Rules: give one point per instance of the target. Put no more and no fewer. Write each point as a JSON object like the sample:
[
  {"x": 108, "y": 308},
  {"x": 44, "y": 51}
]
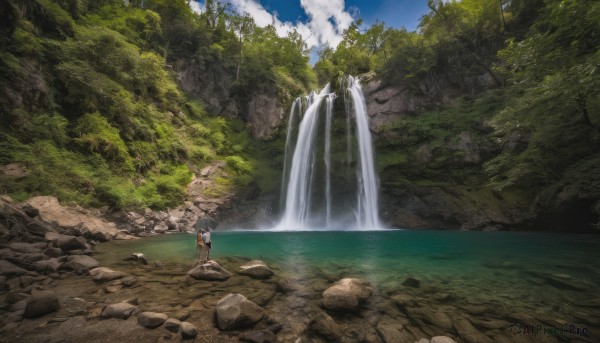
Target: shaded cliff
[{"x": 435, "y": 165}]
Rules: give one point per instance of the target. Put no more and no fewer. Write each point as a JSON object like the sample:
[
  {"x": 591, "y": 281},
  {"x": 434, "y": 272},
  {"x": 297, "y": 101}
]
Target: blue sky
[
  {"x": 321, "y": 22},
  {"x": 395, "y": 13}
]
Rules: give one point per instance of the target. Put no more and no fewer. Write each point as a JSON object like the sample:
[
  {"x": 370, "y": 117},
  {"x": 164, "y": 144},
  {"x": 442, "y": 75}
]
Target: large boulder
[
  {"x": 103, "y": 274},
  {"x": 235, "y": 311},
  {"x": 151, "y": 319},
  {"x": 255, "y": 270},
  {"x": 347, "y": 294},
  {"x": 80, "y": 263},
  {"x": 119, "y": 310},
  {"x": 209, "y": 271},
  {"x": 40, "y": 304}
]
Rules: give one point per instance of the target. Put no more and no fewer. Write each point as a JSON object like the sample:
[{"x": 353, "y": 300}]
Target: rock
[
  {"x": 65, "y": 242},
  {"x": 161, "y": 228},
  {"x": 113, "y": 288},
  {"x": 24, "y": 248},
  {"x": 412, "y": 282},
  {"x": 188, "y": 330},
  {"x": 129, "y": 281},
  {"x": 210, "y": 271},
  {"x": 47, "y": 266},
  {"x": 53, "y": 252},
  {"x": 467, "y": 332},
  {"x": 275, "y": 328},
  {"x": 172, "y": 324},
  {"x": 287, "y": 285},
  {"x": 13, "y": 297},
  {"x": 257, "y": 336},
  {"x": 347, "y": 294},
  {"x": 151, "y": 319},
  {"x": 102, "y": 236},
  {"x": 235, "y": 311},
  {"x": 103, "y": 274},
  {"x": 390, "y": 331},
  {"x": 325, "y": 327},
  {"x": 66, "y": 216},
  {"x": 9, "y": 269},
  {"x": 442, "y": 339},
  {"x": 40, "y": 304},
  {"x": 19, "y": 305},
  {"x": 34, "y": 257},
  {"x": 159, "y": 265},
  {"x": 255, "y": 270},
  {"x": 119, "y": 310},
  {"x": 30, "y": 211},
  {"x": 80, "y": 263},
  {"x": 137, "y": 257}
]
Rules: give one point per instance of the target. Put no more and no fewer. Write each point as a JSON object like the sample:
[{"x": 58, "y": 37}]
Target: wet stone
[{"x": 412, "y": 282}]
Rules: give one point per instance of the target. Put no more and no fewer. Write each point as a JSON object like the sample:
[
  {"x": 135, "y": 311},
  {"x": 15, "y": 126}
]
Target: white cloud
[
  {"x": 327, "y": 20},
  {"x": 197, "y": 6}
]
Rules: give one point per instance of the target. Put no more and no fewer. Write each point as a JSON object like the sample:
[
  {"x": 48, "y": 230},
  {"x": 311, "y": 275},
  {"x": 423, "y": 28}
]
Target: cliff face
[
  {"x": 262, "y": 110},
  {"x": 432, "y": 167}
]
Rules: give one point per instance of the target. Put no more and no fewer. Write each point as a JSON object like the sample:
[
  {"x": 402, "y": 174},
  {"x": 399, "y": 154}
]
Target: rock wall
[
  {"x": 445, "y": 186},
  {"x": 262, "y": 110}
]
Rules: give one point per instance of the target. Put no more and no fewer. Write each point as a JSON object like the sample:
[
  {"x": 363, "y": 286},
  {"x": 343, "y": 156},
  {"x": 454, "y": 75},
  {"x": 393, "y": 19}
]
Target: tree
[{"x": 242, "y": 26}]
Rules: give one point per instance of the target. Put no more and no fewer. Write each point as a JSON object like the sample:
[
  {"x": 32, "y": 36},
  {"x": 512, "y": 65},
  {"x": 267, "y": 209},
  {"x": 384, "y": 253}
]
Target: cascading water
[{"x": 329, "y": 179}]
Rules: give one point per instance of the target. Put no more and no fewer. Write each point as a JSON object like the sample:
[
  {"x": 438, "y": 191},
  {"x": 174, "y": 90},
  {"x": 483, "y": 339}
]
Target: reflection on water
[{"x": 554, "y": 277}]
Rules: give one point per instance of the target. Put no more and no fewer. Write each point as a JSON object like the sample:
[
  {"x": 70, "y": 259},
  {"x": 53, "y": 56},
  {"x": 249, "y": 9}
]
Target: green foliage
[
  {"x": 238, "y": 164},
  {"x": 96, "y": 135}
]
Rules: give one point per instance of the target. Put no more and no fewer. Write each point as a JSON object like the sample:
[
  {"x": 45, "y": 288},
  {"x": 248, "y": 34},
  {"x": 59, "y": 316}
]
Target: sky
[{"x": 322, "y": 22}]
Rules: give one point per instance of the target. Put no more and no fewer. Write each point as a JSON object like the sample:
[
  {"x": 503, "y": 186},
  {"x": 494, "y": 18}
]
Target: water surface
[{"x": 551, "y": 277}]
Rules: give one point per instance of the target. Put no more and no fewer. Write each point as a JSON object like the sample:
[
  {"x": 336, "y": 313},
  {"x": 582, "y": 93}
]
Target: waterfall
[{"x": 319, "y": 167}]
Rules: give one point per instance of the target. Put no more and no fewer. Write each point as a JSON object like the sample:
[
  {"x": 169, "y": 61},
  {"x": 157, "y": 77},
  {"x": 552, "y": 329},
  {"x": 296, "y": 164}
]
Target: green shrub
[{"x": 238, "y": 164}]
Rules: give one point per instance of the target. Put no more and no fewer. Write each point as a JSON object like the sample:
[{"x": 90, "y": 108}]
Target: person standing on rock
[
  {"x": 207, "y": 242},
  {"x": 199, "y": 243}
]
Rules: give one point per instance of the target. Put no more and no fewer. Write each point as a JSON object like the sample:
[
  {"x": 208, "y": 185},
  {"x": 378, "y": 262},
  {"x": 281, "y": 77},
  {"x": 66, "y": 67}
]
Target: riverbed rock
[
  {"x": 257, "y": 336},
  {"x": 467, "y": 332},
  {"x": 119, "y": 310},
  {"x": 347, "y": 294},
  {"x": 151, "y": 319},
  {"x": 172, "y": 324},
  {"x": 188, "y": 330},
  {"x": 80, "y": 263},
  {"x": 103, "y": 274},
  {"x": 129, "y": 281},
  {"x": 412, "y": 282},
  {"x": 137, "y": 257},
  {"x": 209, "y": 271},
  {"x": 235, "y": 311},
  {"x": 323, "y": 326},
  {"x": 40, "y": 304},
  {"x": 256, "y": 270}
]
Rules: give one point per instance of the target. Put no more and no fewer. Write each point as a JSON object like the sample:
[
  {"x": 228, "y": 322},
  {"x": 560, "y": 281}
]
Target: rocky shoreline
[{"x": 53, "y": 290}]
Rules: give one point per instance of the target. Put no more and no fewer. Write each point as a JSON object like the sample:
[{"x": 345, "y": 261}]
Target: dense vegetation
[
  {"x": 508, "y": 93},
  {"x": 89, "y": 105},
  {"x": 519, "y": 81}
]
